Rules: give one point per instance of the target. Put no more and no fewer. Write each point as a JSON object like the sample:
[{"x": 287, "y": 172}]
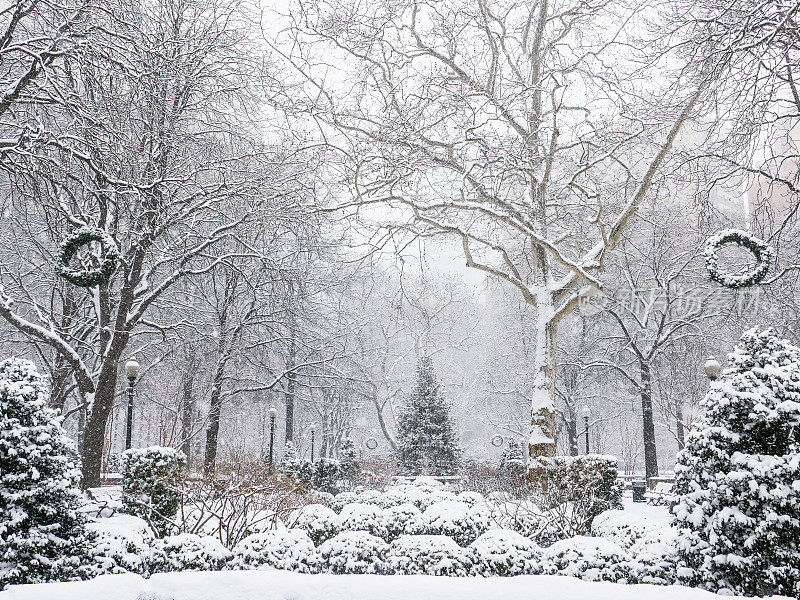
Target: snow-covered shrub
[
  {"x": 121, "y": 544},
  {"x": 471, "y": 498},
  {"x": 287, "y": 549},
  {"x": 575, "y": 489},
  {"x": 738, "y": 479},
  {"x": 593, "y": 559},
  {"x": 456, "y": 520},
  {"x": 427, "y": 555},
  {"x": 363, "y": 517},
  {"x": 369, "y": 497},
  {"x": 353, "y": 552},
  {"x": 343, "y": 499},
  {"x": 623, "y": 528},
  {"x": 189, "y": 552},
  {"x": 318, "y": 521},
  {"x": 406, "y": 494},
  {"x": 654, "y": 558},
  {"x": 504, "y": 553},
  {"x": 350, "y": 468},
  {"x": 512, "y": 461},
  {"x": 150, "y": 485},
  {"x": 393, "y": 496},
  {"x": 405, "y": 519},
  {"x": 520, "y": 515},
  {"x": 326, "y": 475},
  {"x": 42, "y": 532}
]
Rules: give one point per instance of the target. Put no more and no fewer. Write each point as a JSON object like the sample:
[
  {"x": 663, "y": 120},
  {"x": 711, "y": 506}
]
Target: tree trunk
[
  {"x": 95, "y": 432},
  {"x": 541, "y": 441},
  {"x": 215, "y": 410},
  {"x": 648, "y": 427},
  {"x": 572, "y": 436},
  {"x": 290, "y": 385},
  {"x": 679, "y": 425},
  {"x": 187, "y": 419}
]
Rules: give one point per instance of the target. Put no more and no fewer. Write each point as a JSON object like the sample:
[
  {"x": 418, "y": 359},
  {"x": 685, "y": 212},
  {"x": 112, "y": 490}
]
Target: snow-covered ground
[{"x": 283, "y": 585}]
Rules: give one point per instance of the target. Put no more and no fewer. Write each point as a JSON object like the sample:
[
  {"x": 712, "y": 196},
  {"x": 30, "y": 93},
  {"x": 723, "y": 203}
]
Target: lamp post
[
  {"x": 586, "y": 412},
  {"x": 712, "y": 368},
  {"x": 313, "y": 431},
  {"x": 132, "y": 373},
  {"x": 273, "y": 413}
]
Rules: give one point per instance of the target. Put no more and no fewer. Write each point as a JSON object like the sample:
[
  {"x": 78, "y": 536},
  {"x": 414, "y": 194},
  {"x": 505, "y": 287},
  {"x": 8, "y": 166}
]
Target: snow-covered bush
[
  {"x": 287, "y": 549},
  {"x": 42, "y": 533},
  {"x": 369, "y": 497},
  {"x": 471, "y": 498},
  {"x": 427, "y": 555},
  {"x": 343, "y": 499},
  {"x": 121, "y": 544},
  {"x": 623, "y": 528},
  {"x": 654, "y": 558},
  {"x": 318, "y": 521},
  {"x": 593, "y": 559},
  {"x": 150, "y": 485},
  {"x": 575, "y": 489},
  {"x": 520, "y": 515},
  {"x": 363, "y": 517},
  {"x": 326, "y": 475},
  {"x": 350, "y": 468},
  {"x": 456, "y": 520},
  {"x": 189, "y": 552},
  {"x": 738, "y": 479},
  {"x": 504, "y": 553},
  {"x": 405, "y": 519},
  {"x": 353, "y": 552}
]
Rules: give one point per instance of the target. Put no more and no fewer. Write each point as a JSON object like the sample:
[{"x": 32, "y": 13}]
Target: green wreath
[
  {"x": 86, "y": 277},
  {"x": 760, "y": 250}
]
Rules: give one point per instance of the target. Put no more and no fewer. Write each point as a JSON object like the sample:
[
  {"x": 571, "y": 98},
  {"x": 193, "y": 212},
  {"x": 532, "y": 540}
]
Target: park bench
[{"x": 660, "y": 494}]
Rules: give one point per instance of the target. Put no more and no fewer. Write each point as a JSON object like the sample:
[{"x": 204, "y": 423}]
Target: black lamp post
[
  {"x": 273, "y": 413},
  {"x": 313, "y": 431},
  {"x": 585, "y": 412},
  {"x": 132, "y": 373}
]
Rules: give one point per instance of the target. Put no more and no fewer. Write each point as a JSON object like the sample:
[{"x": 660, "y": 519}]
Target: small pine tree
[
  {"x": 738, "y": 508},
  {"x": 512, "y": 460},
  {"x": 427, "y": 439},
  {"x": 348, "y": 460},
  {"x": 42, "y": 534}
]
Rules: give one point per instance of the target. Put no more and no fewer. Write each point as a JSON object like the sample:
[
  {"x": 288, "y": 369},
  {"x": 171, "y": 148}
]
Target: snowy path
[{"x": 282, "y": 585}]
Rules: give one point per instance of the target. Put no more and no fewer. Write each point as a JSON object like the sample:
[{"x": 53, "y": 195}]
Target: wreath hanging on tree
[
  {"x": 88, "y": 277},
  {"x": 759, "y": 249}
]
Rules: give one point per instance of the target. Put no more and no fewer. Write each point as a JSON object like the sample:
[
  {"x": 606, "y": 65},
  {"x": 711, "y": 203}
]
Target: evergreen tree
[
  {"x": 348, "y": 459},
  {"x": 427, "y": 439},
  {"x": 738, "y": 508},
  {"x": 512, "y": 460},
  {"x": 42, "y": 534}
]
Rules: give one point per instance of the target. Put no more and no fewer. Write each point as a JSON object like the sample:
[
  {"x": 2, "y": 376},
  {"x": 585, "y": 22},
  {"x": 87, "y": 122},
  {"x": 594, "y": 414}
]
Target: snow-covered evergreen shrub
[
  {"x": 405, "y": 519},
  {"x": 512, "y": 460},
  {"x": 456, "y": 520},
  {"x": 738, "y": 479},
  {"x": 654, "y": 558},
  {"x": 324, "y": 498},
  {"x": 369, "y": 497},
  {"x": 504, "y": 553},
  {"x": 471, "y": 498},
  {"x": 353, "y": 552},
  {"x": 150, "y": 485},
  {"x": 576, "y": 489},
  {"x": 318, "y": 521},
  {"x": 592, "y": 559},
  {"x": 326, "y": 475},
  {"x": 427, "y": 555},
  {"x": 348, "y": 462},
  {"x": 427, "y": 443},
  {"x": 42, "y": 533},
  {"x": 189, "y": 552},
  {"x": 122, "y": 544},
  {"x": 363, "y": 517},
  {"x": 286, "y": 549},
  {"x": 290, "y": 461},
  {"x": 343, "y": 499}
]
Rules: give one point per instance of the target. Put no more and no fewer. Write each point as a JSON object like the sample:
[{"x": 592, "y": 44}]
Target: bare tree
[{"x": 476, "y": 119}]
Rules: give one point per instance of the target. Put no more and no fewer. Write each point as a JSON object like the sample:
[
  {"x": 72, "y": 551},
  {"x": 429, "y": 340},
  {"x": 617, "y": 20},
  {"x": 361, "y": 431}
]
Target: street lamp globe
[
  {"x": 273, "y": 412},
  {"x": 712, "y": 368},
  {"x": 586, "y": 412},
  {"x": 132, "y": 369}
]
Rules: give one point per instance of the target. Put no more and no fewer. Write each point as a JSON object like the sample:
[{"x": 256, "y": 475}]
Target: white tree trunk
[{"x": 541, "y": 441}]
